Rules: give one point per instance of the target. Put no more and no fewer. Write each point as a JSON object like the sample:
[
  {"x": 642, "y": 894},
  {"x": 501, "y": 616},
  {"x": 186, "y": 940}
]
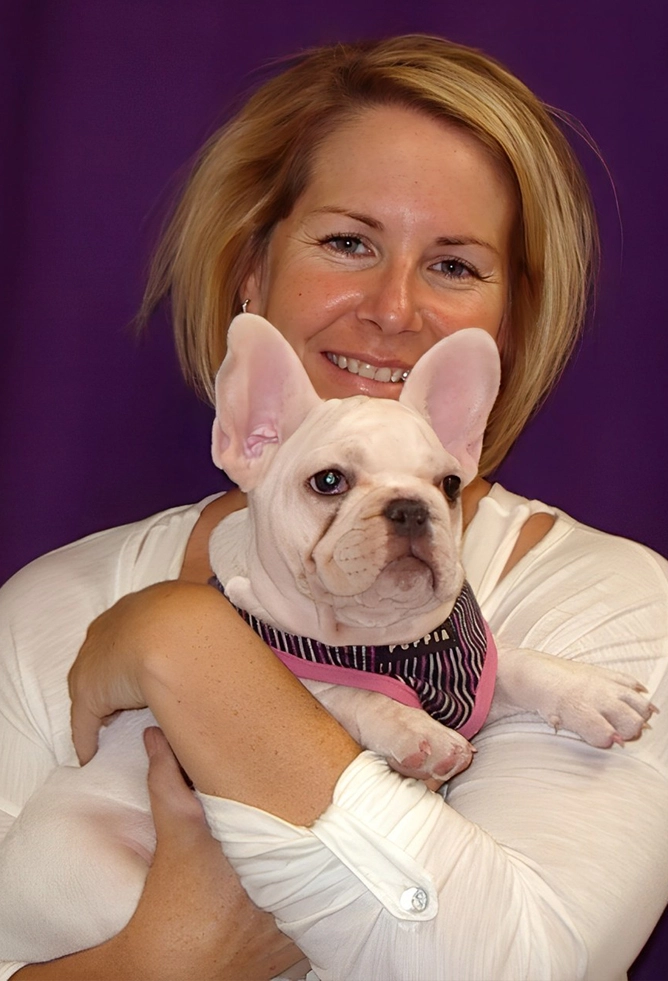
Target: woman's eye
[
  {"x": 347, "y": 244},
  {"x": 329, "y": 482},
  {"x": 451, "y": 487},
  {"x": 455, "y": 268}
]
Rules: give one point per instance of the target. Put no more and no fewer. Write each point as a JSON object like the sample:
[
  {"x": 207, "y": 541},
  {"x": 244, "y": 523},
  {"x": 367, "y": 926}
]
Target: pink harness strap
[{"x": 450, "y": 673}]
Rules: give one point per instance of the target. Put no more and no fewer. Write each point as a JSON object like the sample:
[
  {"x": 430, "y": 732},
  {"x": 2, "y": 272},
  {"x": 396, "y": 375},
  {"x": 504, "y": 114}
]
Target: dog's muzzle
[{"x": 407, "y": 516}]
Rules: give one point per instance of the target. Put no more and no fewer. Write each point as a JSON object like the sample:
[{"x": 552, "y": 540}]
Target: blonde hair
[{"x": 251, "y": 172}]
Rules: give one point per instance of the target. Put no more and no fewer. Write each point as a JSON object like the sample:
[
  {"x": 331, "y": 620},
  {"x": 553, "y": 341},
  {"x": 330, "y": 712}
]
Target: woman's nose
[{"x": 390, "y": 299}]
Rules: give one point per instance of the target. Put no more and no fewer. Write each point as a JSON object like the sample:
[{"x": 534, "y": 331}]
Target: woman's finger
[
  {"x": 172, "y": 801},
  {"x": 85, "y": 727}
]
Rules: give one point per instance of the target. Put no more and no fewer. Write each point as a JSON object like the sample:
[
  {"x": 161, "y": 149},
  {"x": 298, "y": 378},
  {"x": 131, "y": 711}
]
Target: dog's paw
[
  {"x": 409, "y": 739},
  {"x": 439, "y": 759},
  {"x": 423, "y": 748},
  {"x": 603, "y": 707}
]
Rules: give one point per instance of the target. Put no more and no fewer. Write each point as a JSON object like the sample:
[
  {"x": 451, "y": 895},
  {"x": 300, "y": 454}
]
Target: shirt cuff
[
  {"x": 9, "y": 968},
  {"x": 365, "y": 841}
]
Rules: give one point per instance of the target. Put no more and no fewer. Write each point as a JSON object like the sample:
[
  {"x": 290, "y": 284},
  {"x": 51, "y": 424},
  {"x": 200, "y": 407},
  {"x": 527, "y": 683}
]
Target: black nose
[{"x": 408, "y": 517}]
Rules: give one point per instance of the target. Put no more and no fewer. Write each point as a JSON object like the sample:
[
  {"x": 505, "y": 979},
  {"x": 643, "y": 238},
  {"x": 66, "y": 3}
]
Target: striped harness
[{"x": 449, "y": 673}]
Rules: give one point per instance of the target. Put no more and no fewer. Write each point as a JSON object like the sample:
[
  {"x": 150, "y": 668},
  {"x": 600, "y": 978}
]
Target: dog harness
[{"x": 449, "y": 673}]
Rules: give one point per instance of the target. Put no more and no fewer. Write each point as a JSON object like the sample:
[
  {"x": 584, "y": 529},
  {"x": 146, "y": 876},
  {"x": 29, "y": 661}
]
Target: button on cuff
[
  {"x": 397, "y": 881},
  {"x": 414, "y": 900}
]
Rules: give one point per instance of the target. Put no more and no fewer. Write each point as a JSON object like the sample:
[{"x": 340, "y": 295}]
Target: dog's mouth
[
  {"x": 407, "y": 572},
  {"x": 365, "y": 370}
]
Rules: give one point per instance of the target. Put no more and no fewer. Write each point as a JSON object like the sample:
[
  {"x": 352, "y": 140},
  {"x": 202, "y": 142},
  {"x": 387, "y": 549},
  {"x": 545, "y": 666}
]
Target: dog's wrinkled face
[
  {"x": 354, "y": 512},
  {"x": 366, "y": 513}
]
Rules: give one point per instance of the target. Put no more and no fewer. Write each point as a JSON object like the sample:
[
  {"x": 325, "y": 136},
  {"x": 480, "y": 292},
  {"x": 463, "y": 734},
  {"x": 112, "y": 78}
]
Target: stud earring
[{"x": 244, "y": 306}]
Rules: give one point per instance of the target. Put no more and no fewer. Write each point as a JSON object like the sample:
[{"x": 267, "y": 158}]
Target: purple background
[{"x": 106, "y": 100}]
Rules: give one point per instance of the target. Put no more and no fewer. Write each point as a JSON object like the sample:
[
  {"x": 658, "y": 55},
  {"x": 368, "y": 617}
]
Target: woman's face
[{"x": 401, "y": 238}]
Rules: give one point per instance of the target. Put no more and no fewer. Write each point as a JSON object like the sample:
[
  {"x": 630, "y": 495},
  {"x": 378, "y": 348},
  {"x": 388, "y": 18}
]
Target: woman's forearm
[
  {"x": 108, "y": 962},
  {"x": 118, "y": 959},
  {"x": 241, "y": 725}
]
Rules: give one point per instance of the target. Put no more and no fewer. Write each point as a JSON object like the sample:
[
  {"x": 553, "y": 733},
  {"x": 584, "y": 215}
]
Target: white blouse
[{"x": 548, "y": 859}]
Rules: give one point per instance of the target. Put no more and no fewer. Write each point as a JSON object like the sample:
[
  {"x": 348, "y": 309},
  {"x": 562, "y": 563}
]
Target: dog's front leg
[
  {"x": 410, "y": 740},
  {"x": 602, "y": 707}
]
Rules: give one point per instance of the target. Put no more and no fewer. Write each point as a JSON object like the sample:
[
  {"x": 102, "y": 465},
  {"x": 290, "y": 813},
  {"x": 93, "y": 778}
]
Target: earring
[{"x": 244, "y": 306}]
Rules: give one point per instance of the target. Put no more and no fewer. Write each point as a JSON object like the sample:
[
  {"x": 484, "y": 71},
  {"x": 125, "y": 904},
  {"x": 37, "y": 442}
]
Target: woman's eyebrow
[
  {"x": 355, "y": 215},
  {"x": 466, "y": 240}
]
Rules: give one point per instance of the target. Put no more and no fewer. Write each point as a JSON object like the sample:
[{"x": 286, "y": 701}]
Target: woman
[{"x": 368, "y": 201}]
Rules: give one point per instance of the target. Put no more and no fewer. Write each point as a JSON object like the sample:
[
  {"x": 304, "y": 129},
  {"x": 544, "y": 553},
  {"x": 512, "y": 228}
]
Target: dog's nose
[{"x": 408, "y": 517}]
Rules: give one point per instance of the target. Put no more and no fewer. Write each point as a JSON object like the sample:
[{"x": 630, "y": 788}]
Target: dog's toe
[{"x": 416, "y": 761}]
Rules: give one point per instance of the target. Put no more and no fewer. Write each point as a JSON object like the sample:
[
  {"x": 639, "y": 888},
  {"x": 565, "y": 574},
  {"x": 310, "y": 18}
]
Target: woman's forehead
[{"x": 389, "y": 161}]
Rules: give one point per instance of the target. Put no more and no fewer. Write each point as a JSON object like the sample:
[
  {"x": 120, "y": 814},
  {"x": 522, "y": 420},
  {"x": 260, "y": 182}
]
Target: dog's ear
[
  {"x": 454, "y": 386},
  {"x": 262, "y": 395}
]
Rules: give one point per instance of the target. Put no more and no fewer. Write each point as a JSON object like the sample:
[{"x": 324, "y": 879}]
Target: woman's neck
[
  {"x": 472, "y": 494},
  {"x": 196, "y": 567}
]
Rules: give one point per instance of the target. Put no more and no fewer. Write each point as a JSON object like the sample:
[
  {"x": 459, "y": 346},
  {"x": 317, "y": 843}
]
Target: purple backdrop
[{"x": 105, "y": 102}]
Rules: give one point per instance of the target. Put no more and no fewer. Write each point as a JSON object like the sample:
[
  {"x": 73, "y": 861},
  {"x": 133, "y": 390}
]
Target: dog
[
  {"x": 367, "y": 564},
  {"x": 350, "y": 542}
]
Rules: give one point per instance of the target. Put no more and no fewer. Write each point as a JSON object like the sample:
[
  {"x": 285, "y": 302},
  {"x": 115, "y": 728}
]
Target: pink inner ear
[
  {"x": 454, "y": 386},
  {"x": 262, "y": 395},
  {"x": 257, "y": 440}
]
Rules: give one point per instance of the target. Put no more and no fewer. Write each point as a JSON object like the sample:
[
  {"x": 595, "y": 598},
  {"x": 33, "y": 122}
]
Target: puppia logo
[{"x": 434, "y": 641}]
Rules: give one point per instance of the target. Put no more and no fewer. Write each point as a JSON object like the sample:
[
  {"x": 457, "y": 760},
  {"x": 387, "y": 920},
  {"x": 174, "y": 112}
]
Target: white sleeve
[
  {"x": 45, "y": 610},
  {"x": 38, "y": 641},
  {"x": 549, "y": 859}
]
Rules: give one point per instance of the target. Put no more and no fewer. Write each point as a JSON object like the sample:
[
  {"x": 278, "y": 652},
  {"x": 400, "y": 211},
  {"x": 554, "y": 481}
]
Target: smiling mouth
[{"x": 365, "y": 370}]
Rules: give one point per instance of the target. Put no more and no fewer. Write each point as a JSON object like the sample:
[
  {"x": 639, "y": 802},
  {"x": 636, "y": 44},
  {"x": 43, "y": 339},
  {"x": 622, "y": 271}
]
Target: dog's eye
[
  {"x": 451, "y": 486},
  {"x": 329, "y": 482}
]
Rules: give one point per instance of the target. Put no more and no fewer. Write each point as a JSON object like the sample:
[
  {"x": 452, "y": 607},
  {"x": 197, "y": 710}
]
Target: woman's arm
[
  {"x": 182, "y": 649},
  {"x": 254, "y": 733}
]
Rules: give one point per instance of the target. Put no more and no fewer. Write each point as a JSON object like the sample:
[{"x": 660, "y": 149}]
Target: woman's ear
[{"x": 252, "y": 288}]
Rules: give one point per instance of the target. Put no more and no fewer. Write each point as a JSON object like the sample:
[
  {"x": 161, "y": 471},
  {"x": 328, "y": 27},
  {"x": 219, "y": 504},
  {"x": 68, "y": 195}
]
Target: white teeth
[{"x": 365, "y": 370}]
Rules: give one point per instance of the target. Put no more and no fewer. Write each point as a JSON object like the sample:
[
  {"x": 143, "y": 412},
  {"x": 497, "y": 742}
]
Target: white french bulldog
[
  {"x": 350, "y": 540},
  {"x": 352, "y": 530}
]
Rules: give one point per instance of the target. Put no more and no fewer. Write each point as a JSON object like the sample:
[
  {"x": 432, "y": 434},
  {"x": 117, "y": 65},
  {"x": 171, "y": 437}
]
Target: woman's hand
[
  {"x": 108, "y": 673},
  {"x": 194, "y": 919}
]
